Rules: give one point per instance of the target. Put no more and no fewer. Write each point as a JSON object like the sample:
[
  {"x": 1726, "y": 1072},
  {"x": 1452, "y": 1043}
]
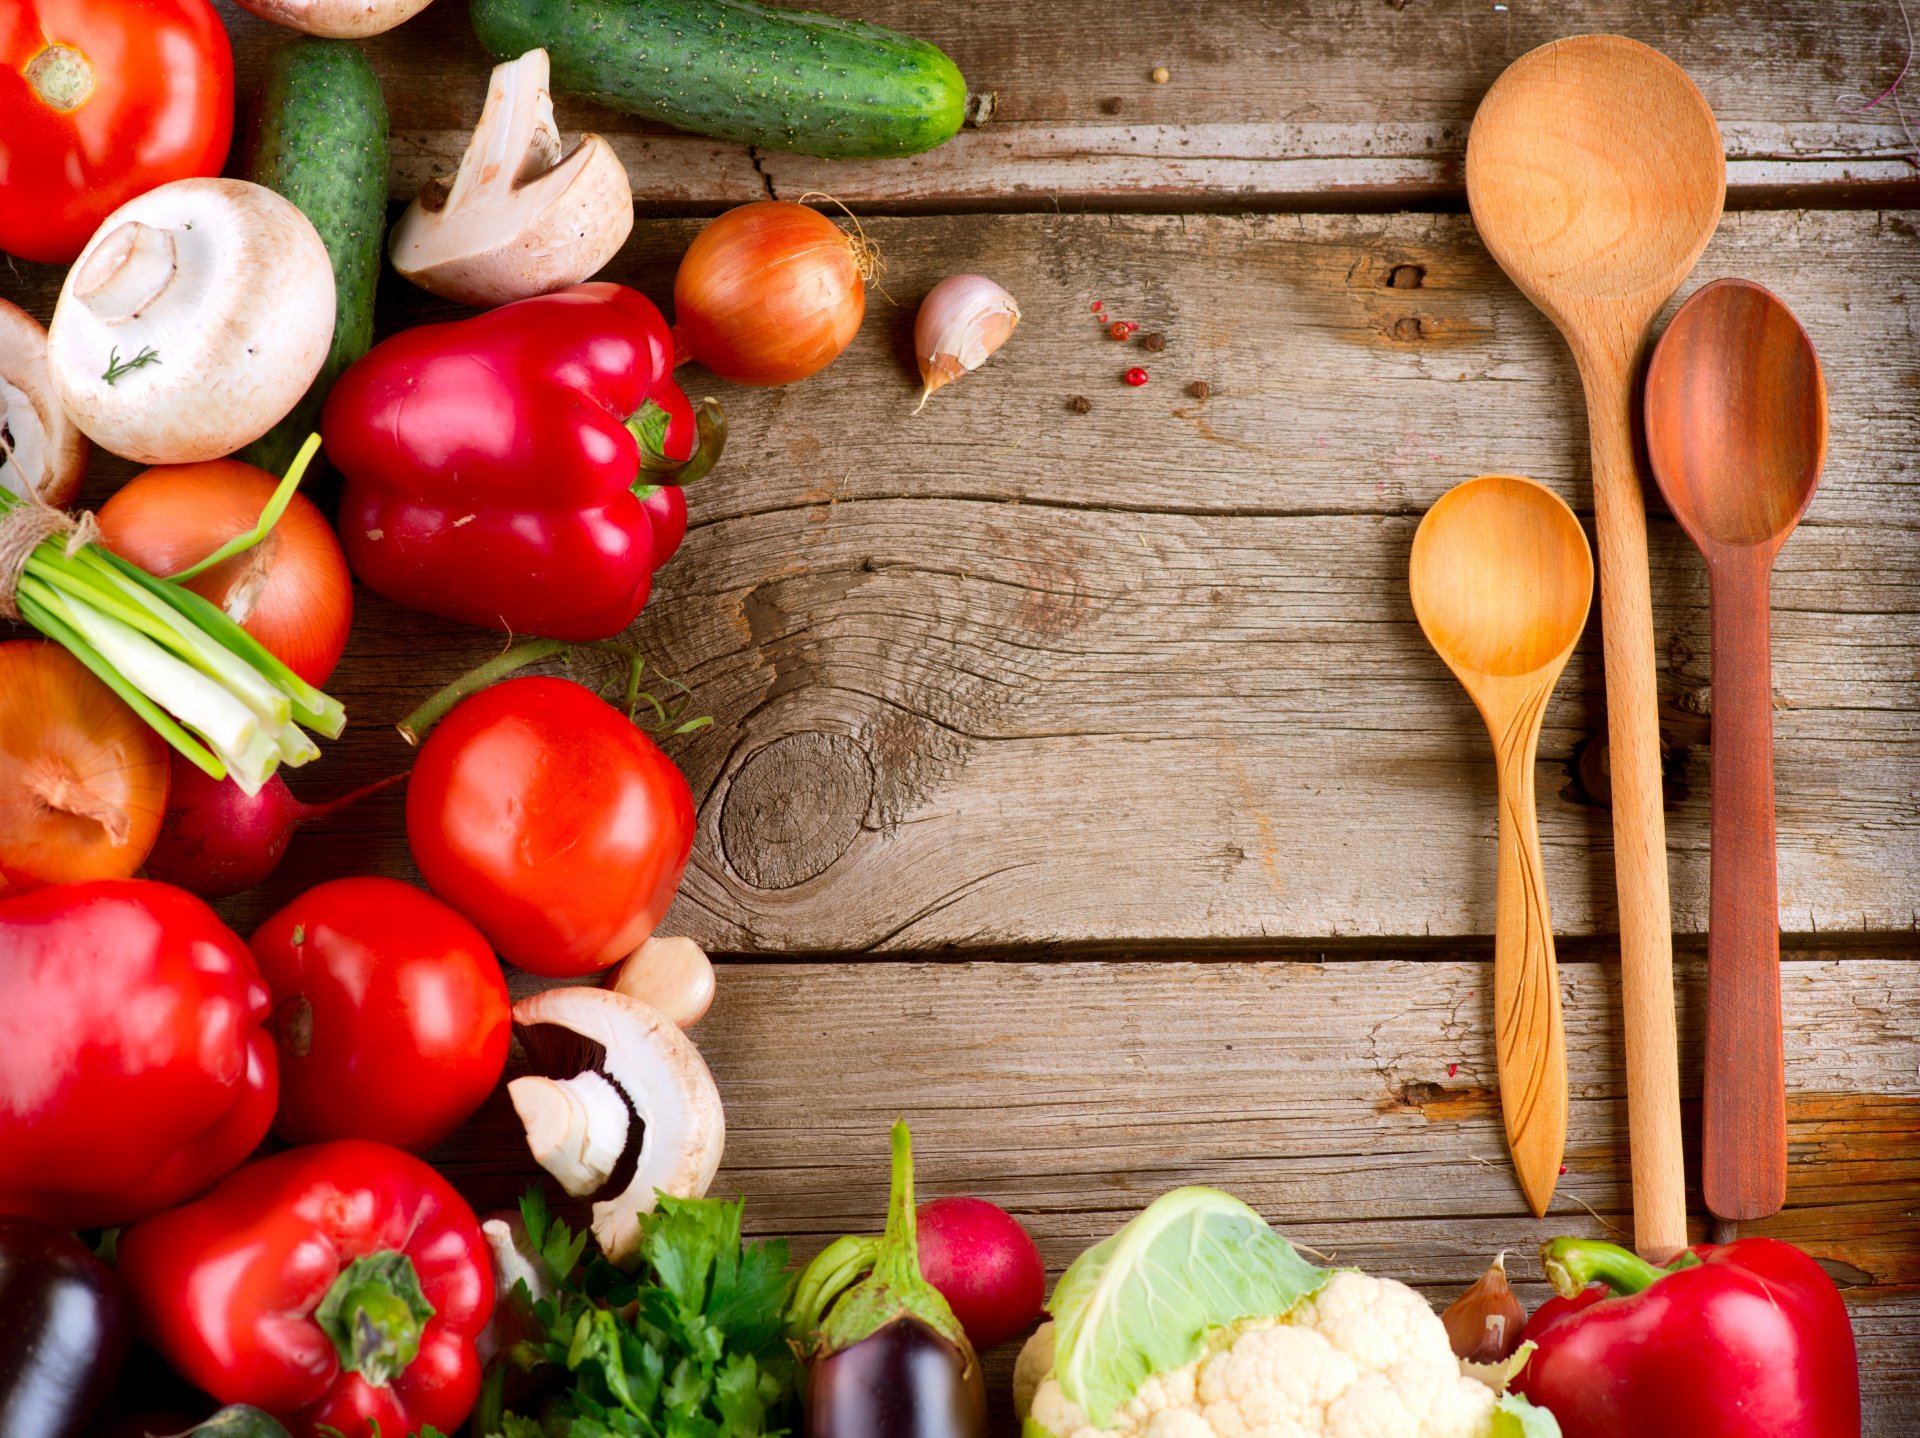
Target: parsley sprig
[{"x": 690, "y": 1345}]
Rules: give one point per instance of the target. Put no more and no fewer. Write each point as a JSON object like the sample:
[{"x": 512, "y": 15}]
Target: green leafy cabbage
[{"x": 1146, "y": 1300}]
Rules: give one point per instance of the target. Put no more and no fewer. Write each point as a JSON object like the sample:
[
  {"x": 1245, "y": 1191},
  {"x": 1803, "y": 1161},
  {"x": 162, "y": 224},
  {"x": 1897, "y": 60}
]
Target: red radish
[
  {"x": 666, "y": 507},
  {"x": 216, "y": 840},
  {"x": 985, "y": 1266}
]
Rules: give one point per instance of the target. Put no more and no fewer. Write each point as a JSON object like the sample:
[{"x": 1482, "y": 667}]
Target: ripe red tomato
[
  {"x": 101, "y": 100},
  {"x": 538, "y": 811},
  {"x": 390, "y": 1013}
]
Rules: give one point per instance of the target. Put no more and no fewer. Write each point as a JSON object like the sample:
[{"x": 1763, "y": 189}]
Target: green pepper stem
[
  {"x": 1573, "y": 1263},
  {"x": 414, "y": 727}
]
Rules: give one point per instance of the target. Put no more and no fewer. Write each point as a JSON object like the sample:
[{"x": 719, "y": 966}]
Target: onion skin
[
  {"x": 83, "y": 780},
  {"x": 291, "y": 591},
  {"x": 769, "y": 293}
]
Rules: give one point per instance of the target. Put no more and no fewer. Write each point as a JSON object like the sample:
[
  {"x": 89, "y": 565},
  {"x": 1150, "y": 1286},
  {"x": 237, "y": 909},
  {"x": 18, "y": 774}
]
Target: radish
[
  {"x": 985, "y": 1266},
  {"x": 217, "y": 840}
]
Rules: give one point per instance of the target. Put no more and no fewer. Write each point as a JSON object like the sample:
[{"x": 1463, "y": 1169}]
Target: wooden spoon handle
[
  {"x": 1639, "y": 820},
  {"x": 1529, "y": 1037},
  {"x": 1745, "y": 1108}
]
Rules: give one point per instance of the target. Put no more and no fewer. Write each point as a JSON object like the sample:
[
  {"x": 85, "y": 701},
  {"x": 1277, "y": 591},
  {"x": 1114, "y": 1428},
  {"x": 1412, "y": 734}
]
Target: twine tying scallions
[{"x": 23, "y": 528}]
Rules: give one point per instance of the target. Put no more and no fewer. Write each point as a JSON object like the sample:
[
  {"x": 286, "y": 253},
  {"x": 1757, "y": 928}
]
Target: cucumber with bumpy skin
[
  {"x": 320, "y": 138},
  {"x": 738, "y": 70}
]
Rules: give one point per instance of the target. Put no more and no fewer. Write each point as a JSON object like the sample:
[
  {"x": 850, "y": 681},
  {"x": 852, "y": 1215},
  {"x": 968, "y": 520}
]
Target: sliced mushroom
[
  {"x": 42, "y": 451},
  {"x": 192, "y": 321},
  {"x": 662, "y": 1075},
  {"x": 674, "y": 975},
  {"x": 517, "y": 219},
  {"x": 337, "y": 19}
]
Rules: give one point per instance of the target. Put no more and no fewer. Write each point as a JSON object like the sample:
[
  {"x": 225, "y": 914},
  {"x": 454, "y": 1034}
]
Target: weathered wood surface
[
  {"x": 1350, "y": 1100},
  {"x": 1003, "y": 674},
  {"x": 1363, "y": 104}
]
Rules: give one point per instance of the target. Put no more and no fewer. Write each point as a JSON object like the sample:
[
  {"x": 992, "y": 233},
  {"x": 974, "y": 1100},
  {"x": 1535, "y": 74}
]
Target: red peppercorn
[
  {"x": 1135, "y": 376},
  {"x": 1118, "y": 329},
  {"x": 1131, "y": 325},
  {"x": 1098, "y": 305}
]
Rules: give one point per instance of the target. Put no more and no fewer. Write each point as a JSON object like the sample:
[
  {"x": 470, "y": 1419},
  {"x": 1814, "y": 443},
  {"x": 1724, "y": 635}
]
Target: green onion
[{"x": 201, "y": 681}]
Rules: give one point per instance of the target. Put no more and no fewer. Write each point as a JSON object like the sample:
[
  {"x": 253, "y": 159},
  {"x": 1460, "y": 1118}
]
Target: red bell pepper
[
  {"x": 135, "y": 1066},
  {"x": 341, "y": 1284},
  {"x": 496, "y": 467},
  {"x": 1746, "y": 1340}
]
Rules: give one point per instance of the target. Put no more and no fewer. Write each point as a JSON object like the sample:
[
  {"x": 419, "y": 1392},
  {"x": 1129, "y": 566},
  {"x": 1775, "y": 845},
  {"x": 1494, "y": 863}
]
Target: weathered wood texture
[
  {"x": 1362, "y": 104},
  {"x": 1003, "y": 674},
  {"x": 1351, "y": 1101}
]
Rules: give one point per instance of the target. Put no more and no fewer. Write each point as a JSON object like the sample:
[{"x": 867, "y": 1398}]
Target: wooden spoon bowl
[{"x": 1501, "y": 579}]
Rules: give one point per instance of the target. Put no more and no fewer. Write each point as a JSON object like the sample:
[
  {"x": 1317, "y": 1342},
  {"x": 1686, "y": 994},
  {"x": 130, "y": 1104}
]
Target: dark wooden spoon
[{"x": 1737, "y": 431}]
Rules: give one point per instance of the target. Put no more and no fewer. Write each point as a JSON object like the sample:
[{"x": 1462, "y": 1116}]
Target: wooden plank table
[{"x": 1080, "y": 787}]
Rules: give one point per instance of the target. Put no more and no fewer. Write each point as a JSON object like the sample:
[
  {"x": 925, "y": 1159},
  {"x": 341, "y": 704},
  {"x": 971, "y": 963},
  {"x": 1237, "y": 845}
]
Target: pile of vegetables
[{"x": 524, "y": 468}]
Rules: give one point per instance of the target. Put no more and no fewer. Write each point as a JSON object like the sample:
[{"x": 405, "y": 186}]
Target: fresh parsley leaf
[{"x": 689, "y": 1345}]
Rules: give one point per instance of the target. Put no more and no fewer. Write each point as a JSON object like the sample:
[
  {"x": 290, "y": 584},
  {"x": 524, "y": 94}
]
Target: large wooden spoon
[
  {"x": 1737, "y": 432},
  {"x": 1595, "y": 176},
  {"x": 1501, "y": 578}
]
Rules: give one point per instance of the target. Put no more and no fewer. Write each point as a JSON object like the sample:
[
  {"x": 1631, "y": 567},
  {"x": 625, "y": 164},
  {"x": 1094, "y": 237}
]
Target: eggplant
[
  {"x": 886, "y": 1357},
  {"x": 64, "y": 1331}
]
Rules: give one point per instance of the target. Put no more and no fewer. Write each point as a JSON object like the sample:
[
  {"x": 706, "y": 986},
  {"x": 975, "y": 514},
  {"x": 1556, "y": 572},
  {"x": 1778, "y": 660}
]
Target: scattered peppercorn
[
  {"x": 1160, "y": 75},
  {"x": 1452, "y": 1069},
  {"x": 1118, "y": 329},
  {"x": 1199, "y": 389},
  {"x": 1563, "y": 1169},
  {"x": 1099, "y": 305},
  {"x": 1135, "y": 376},
  {"x": 1153, "y": 341},
  {"x": 1079, "y": 404}
]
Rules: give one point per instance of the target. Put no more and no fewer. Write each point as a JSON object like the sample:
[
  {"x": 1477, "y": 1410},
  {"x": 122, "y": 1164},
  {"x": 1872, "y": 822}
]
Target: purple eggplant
[
  {"x": 886, "y": 1358},
  {"x": 64, "y": 1331}
]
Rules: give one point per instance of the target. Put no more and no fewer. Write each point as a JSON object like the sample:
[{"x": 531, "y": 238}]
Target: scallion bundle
[{"x": 204, "y": 684}]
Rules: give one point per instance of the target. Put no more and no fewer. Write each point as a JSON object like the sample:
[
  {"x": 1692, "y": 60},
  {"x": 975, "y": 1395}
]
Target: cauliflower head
[{"x": 1362, "y": 1357}]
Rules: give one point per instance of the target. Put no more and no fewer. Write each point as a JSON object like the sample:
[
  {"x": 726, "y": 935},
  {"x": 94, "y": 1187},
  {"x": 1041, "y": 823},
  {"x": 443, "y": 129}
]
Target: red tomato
[
  {"x": 538, "y": 811},
  {"x": 390, "y": 1012},
  {"x": 101, "y": 100}
]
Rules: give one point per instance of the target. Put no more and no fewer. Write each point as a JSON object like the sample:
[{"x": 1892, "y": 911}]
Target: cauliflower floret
[{"x": 1363, "y": 1358}]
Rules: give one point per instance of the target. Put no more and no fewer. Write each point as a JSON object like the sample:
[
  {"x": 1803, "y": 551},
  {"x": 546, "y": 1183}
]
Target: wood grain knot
[{"x": 795, "y": 807}]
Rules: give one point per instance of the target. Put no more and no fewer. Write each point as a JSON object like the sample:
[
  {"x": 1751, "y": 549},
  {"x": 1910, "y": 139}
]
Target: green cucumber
[
  {"x": 738, "y": 70},
  {"x": 320, "y": 138}
]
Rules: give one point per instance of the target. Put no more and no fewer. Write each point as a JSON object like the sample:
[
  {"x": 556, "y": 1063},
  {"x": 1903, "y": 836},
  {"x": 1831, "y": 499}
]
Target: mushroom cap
[
  {"x": 41, "y": 449},
  {"x": 516, "y": 220},
  {"x": 668, "y": 1083},
  {"x": 228, "y": 285},
  {"x": 337, "y": 19}
]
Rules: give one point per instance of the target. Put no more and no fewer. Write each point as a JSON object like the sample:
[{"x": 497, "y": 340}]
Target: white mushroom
[
  {"x": 663, "y": 1076},
  {"x": 337, "y": 19},
  {"x": 42, "y": 452},
  {"x": 674, "y": 975},
  {"x": 517, "y": 219},
  {"x": 195, "y": 317}
]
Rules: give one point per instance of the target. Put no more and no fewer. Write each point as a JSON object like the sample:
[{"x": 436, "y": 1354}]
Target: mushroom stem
[
  {"x": 126, "y": 272},
  {"x": 516, "y": 140},
  {"x": 576, "y": 1127}
]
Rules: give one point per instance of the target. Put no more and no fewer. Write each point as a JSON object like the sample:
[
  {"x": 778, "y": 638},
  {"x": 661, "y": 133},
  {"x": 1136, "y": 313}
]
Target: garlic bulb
[{"x": 962, "y": 321}]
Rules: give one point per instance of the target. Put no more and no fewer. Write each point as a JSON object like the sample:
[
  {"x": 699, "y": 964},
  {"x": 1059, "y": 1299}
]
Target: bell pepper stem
[
  {"x": 1572, "y": 1264},
  {"x": 374, "y": 1313}
]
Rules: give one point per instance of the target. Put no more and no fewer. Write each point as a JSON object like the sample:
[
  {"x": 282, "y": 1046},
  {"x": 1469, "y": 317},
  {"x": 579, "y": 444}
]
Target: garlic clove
[
  {"x": 962, "y": 320},
  {"x": 1483, "y": 1324},
  {"x": 674, "y": 975}
]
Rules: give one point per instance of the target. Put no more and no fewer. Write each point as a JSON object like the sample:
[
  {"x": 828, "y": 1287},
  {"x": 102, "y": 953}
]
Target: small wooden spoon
[
  {"x": 1501, "y": 578},
  {"x": 1595, "y": 175},
  {"x": 1737, "y": 431}
]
